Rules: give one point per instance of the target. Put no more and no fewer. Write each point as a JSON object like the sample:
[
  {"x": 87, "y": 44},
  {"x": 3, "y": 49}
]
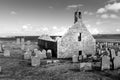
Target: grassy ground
[{"x": 15, "y": 68}]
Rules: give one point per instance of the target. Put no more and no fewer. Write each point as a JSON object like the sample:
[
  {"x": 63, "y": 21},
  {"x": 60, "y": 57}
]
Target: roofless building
[{"x": 78, "y": 40}]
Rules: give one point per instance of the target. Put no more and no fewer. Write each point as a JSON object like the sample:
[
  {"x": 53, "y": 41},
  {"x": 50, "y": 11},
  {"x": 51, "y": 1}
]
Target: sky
[{"x": 54, "y": 17}]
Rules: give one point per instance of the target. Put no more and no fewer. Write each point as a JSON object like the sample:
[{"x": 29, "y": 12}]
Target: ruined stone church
[{"x": 78, "y": 40}]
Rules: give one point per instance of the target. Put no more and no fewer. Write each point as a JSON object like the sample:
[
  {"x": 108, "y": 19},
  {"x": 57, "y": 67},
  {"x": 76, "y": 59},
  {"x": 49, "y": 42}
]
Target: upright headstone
[
  {"x": 35, "y": 61},
  {"x": 118, "y": 54},
  {"x": 22, "y": 41},
  {"x": 22, "y": 46},
  {"x": 0, "y": 69},
  {"x": 113, "y": 53},
  {"x": 74, "y": 58},
  {"x": 49, "y": 54},
  {"x": 39, "y": 54},
  {"x": 105, "y": 62},
  {"x": 80, "y": 58},
  {"x": 108, "y": 52},
  {"x": 18, "y": 40},
  {"x": 116, "y": 62},
  {"x": 1, "y": 48},
  {"x": 28, "y": 42},
  {"x": 44, "y": 53},
  {"x": 6, "y": 53},
  {"x": 27, "y": 55}
]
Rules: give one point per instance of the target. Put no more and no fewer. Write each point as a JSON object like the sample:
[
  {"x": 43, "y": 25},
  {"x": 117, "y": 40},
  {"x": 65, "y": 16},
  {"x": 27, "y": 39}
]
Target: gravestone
[
  {"x": 39, "y": 54},
  {"x": 56, "y": 61},
  {"x": 105, "y": 62},
  {"x": 85, "y": 66},
  {"x": 49, "y": 54},
  {"x": 6, "y": 53},
  {"x": 80, "y": 57},
  {"x": 49, "y": 61},
  {"x": 22, "y": 46},
  {"x": 35, "y": 61},
  {"x": 118, "y": 54},
  {"x": 22, "y": 41},
  {"x": 27, "y": 55},
  {"x": 74, "y": 58},
  {"x": 116, "y": 62},
  {"x": 28, "y": 42},
  {"x": 1, "y": 48},
  {"x": 44, "y": 53},
  {"x": 113, "y": 53},
  {"x": 0, "y": 69},
  {"x": 18, "y": 40}
]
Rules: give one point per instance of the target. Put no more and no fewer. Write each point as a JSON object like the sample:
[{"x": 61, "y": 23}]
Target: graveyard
[{"x": 15, "y": 67}]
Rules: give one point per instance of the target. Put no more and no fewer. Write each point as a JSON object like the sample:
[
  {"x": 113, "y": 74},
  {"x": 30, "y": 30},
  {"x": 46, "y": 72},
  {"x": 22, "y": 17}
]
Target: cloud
[
  {"x": 74, "y": 6},
  {"x": 59, "y": 31},
  {"x": 98, "y": 22},
  {"x": 94, "y": 30},
  {"x": 27, "y": 27},
  {"x": 88, "y": 25},
  {"x": 54, "y": 27},
  {"x": 13, "y": 13},
  {"x": 112, "y": 1},
  {"x": 45, "y": 29},
  {"x": 115, "y": 6},
  {"x": 88, "y": 13},
  {"x": 105, "y": 16},
  {"x": 112, "y": 16},
  {"x": 118, "y": 30},
  {"x": 101, "y": 10}
]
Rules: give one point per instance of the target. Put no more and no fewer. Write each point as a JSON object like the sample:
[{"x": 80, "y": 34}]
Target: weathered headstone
[
  {"x": 80, "y": 57},
  {"x": 116, "y": 62},
  {"x": 18, "y": 40},
  {"x": 28, "y": 42},
  {"x": 27, "y": 55},
  {"x": 44, "y": 53},
  {"x": 49, "y": 54},
  {"x": 105, "y": 62},
  {"x": 118, "y": 54},
  {"x": 1, "y": 48},
  {"x": 85, "y": 66},
  {"x": 0, "y": 69},
  {"x": 113, "y": 53},
  {"x": 74, "y": 58},
  {"x": 22, "y": 41},
  {"x": 35, "y": 61},
  {"x": 39, "y": 54},
  {"x": 23, "y": 47},
  {"x": 49, "y": 61},
  {"x": 6, "y": 53},
  {"x": 56, "y": 61}
]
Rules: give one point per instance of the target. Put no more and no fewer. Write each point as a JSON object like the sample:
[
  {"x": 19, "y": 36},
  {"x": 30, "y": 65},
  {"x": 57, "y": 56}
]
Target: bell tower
[{"x": 77, "y": 15}]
